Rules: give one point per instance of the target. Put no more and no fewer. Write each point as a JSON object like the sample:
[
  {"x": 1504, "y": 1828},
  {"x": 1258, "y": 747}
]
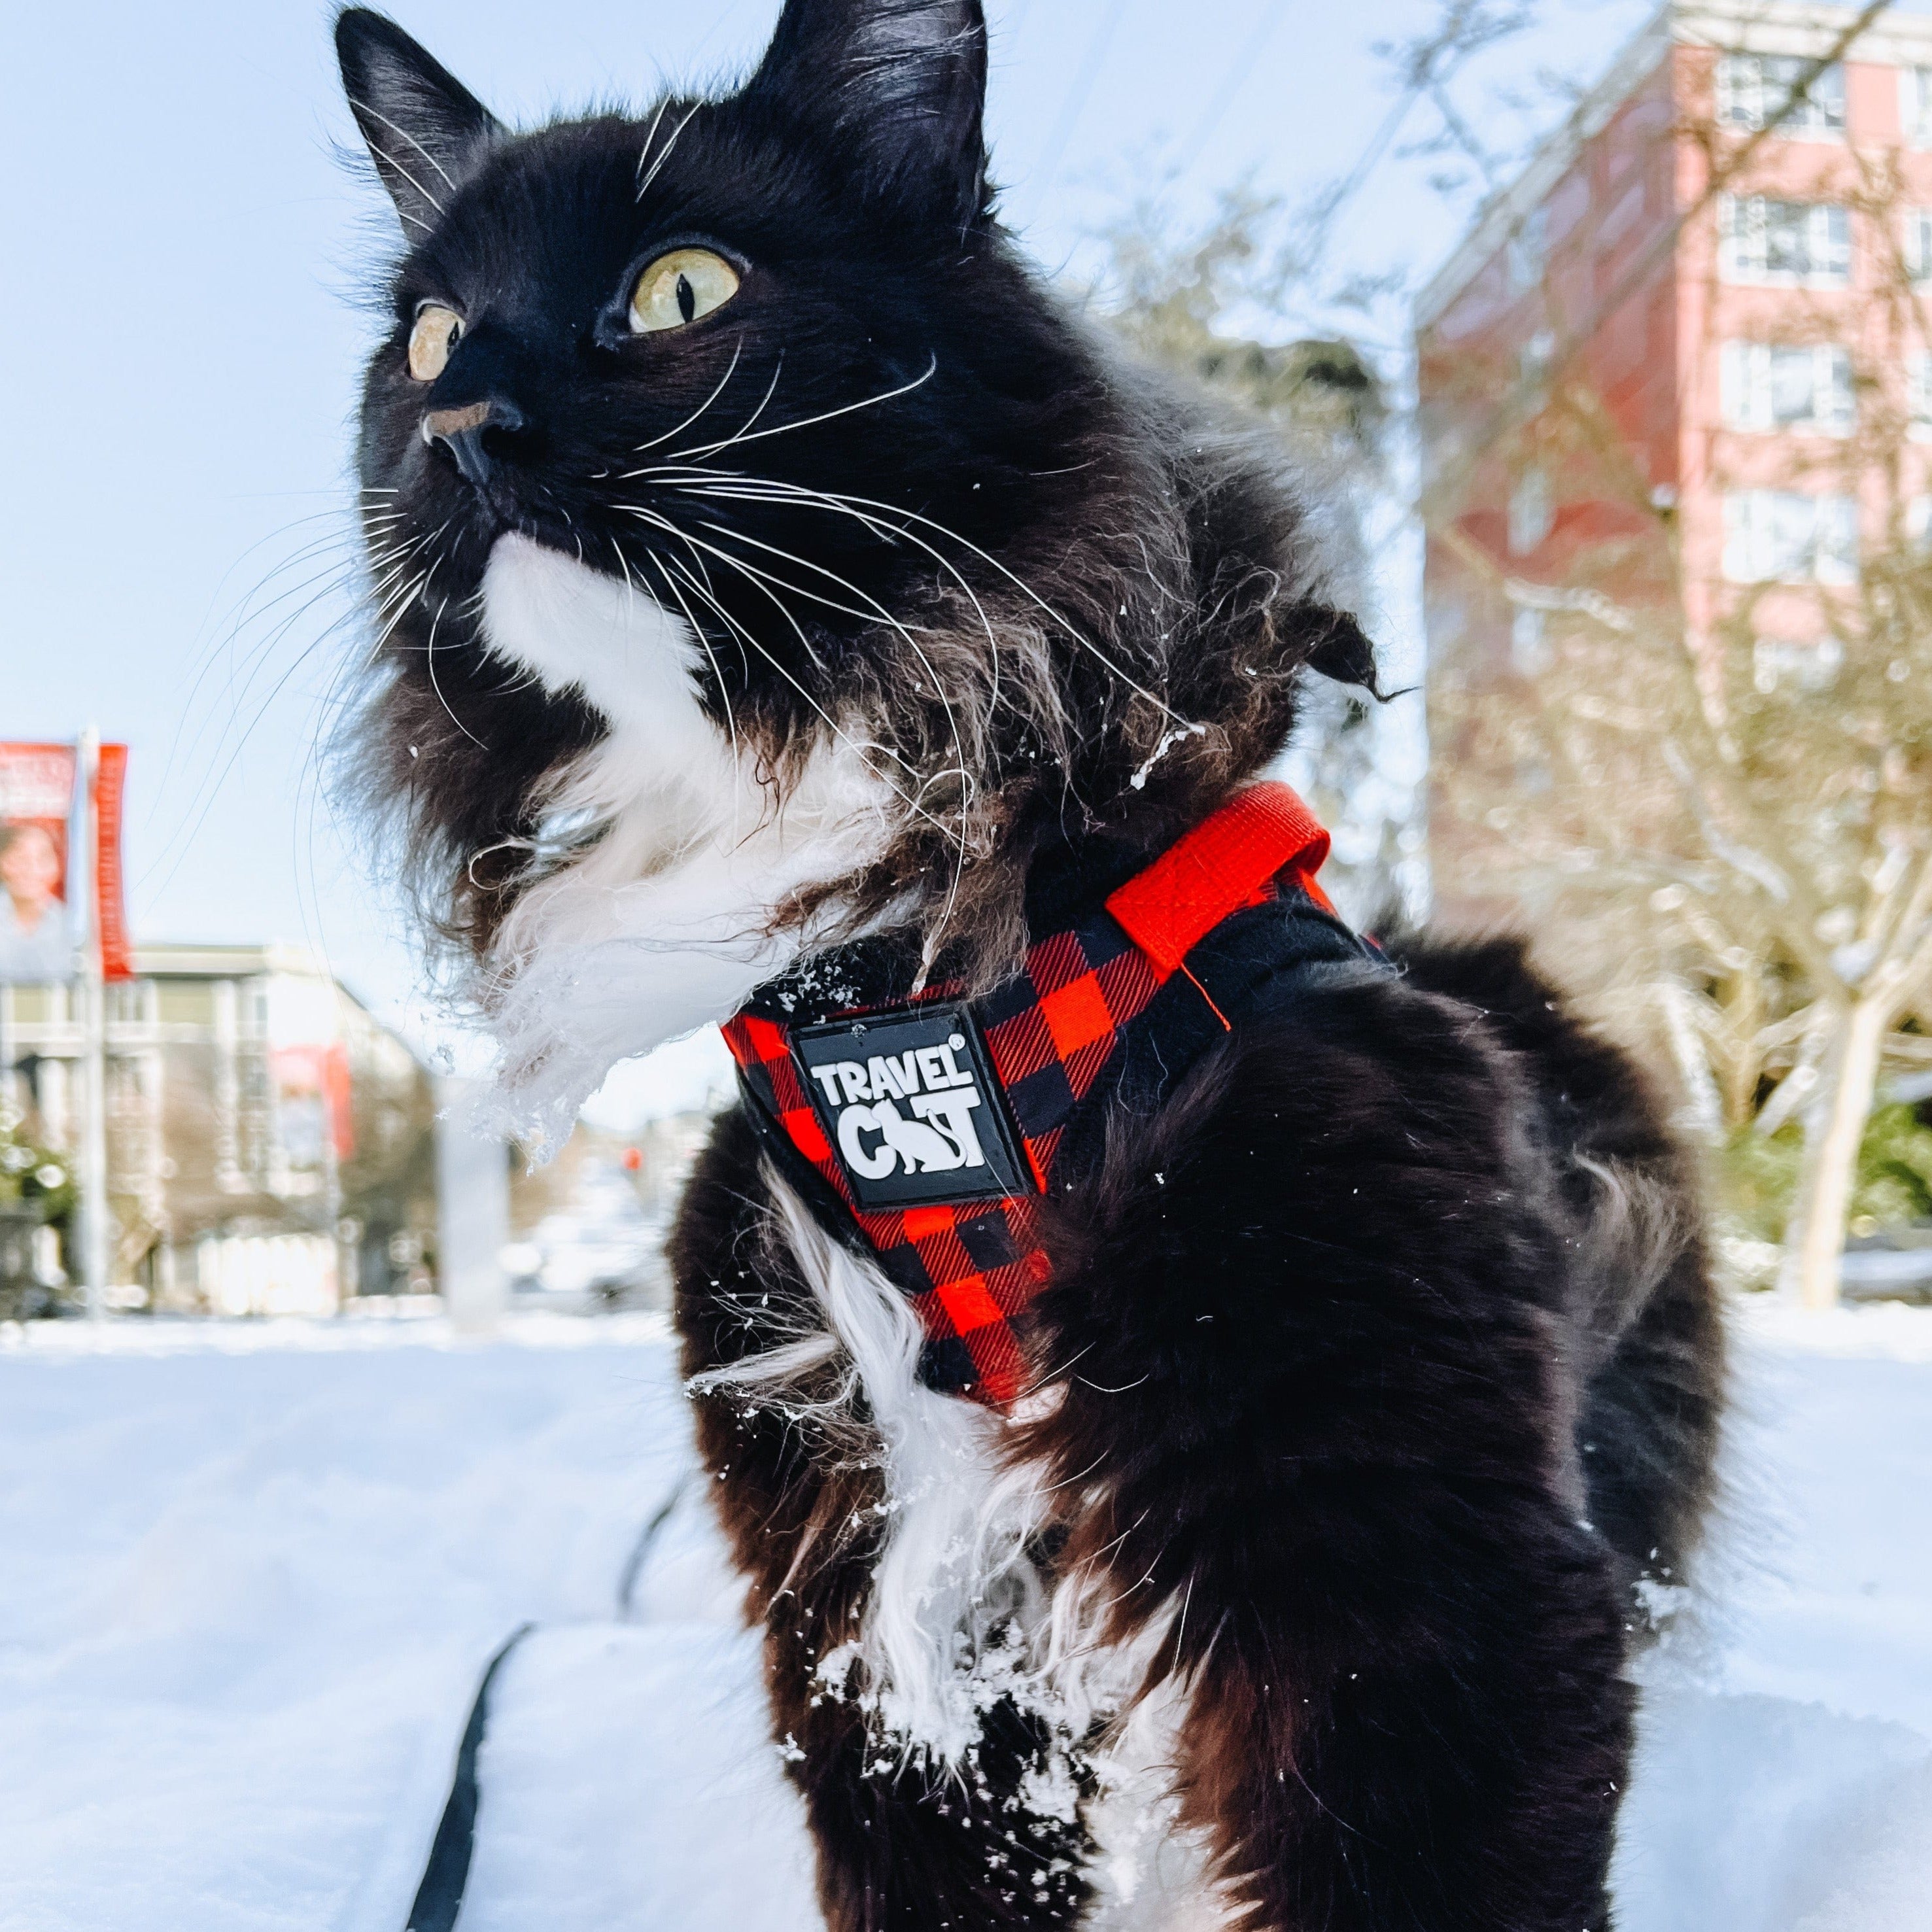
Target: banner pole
[{"x": 93, "y": 1202}]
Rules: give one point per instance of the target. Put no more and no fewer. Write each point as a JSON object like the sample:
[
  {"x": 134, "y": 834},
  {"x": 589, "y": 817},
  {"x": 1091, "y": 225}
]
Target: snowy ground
[{"x": 250, "y": 1574}]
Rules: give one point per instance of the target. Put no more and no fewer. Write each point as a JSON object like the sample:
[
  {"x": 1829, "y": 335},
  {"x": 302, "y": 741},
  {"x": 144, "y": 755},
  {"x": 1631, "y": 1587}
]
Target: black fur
[
  {"x": 1651, "y": 1339},
  {"x": 1378, "y": 1381},
  {"x": 427, "y": 133},
  {"x": 1382, "y": 1361},
  {"x": 897, "y": 89}
]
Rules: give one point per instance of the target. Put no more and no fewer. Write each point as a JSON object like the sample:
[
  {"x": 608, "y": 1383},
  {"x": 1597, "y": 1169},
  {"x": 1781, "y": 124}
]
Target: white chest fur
[
  {"x": 959, "y": 1615},
  {"x": 670, "y": 919}
]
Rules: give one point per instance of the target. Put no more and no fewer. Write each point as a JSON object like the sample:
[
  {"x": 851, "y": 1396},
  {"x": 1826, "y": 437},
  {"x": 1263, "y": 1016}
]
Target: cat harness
[{"x": 924, "y": 1130}]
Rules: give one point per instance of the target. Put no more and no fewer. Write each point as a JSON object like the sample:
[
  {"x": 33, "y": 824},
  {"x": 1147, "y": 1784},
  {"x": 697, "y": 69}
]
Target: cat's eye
[
  {"x": 436, "y": 332},
  {"x": 678, "y": 288}
]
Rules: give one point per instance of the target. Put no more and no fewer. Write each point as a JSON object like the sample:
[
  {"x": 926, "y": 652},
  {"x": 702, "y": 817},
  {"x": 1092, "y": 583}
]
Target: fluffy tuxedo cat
[{"x": 1195, "y": 1398}]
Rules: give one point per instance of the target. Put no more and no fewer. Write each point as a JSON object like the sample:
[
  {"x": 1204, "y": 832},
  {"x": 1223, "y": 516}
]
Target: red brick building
[{"x": 1660, "y": 363}]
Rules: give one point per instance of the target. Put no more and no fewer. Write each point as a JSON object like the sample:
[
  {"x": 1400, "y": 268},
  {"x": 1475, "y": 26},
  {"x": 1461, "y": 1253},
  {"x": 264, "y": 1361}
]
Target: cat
[{"x": 790, "y": 613}]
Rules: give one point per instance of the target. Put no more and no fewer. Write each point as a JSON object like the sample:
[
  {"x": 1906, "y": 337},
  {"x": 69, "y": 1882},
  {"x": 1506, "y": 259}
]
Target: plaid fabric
[{"x": 972, "y": 1270}]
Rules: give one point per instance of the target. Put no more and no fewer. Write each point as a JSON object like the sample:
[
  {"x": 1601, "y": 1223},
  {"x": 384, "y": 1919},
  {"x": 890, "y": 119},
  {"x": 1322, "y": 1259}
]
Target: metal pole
[
  {"x": 472, "y": 1189},
  {"x": 93, "y": 1176},
  {"x": 331, "y": 1187}
]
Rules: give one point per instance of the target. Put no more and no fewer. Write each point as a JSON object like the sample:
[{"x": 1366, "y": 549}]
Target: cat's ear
[
  {"x": 425, "y": 130},
  {"x": 900, "y": 84}
]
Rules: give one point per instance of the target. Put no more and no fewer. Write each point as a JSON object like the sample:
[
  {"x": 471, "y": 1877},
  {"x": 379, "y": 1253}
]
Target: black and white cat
[{"x": 787, "y": 609}]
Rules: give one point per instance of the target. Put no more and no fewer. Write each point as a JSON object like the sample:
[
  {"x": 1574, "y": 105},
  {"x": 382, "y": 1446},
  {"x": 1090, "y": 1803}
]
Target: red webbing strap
[
  {"x": 1224, "y": 864},
  {"x": 973, "y": 1270}
]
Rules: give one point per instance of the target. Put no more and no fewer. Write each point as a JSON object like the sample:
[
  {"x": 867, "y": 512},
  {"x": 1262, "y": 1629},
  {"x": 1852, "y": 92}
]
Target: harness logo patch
[{"x": 912, "y": 1109}]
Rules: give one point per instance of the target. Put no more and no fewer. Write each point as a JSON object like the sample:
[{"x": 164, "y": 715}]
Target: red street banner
[
  {"x": 110, "y": 785},
  {"x": 37, "y": 934}
]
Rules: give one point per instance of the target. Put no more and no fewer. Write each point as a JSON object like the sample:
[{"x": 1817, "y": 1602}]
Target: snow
[
  {"x": 1784, "y": 1781},
  {"x": 252, "y": 1571},
  {"x": 692, "y": 1074}
]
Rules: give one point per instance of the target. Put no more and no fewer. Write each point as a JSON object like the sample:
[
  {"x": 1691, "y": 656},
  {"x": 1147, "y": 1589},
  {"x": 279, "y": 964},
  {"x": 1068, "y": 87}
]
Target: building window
[
  {"x": 1531, "y": 512},
  {"x": 1811, "y": 666},
  {"x": 1778, "y": 536},
  {"x": 1528, "y": 251},
  {"x": 1772, "y": 386},
  {"x": 1919, "y": 395},
  {"x": 1529, "y": 652},
  {"x": 1918, "y": 242},
  {"x": 1753, "y": 88},
  {"x": 1915, "y": 104},
  {"x": 1785, "y": 241}
]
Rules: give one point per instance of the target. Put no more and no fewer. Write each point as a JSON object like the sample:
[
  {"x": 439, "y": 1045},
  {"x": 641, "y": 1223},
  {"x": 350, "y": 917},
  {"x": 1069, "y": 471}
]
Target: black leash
[
  {"x": 647, "y": 1537},
  {"x": 439, "y": 1897}
]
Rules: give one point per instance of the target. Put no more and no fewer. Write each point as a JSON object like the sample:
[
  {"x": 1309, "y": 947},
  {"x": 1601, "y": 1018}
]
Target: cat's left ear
[
  {"x": 901, "y": 84},
  {"x": 426, "y": 131}
]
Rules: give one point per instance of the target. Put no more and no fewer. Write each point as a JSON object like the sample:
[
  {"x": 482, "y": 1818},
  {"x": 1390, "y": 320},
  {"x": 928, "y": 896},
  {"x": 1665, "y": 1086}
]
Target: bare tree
[
  {"x": 1171, "y": 290},
  {"x": 1710, "y": 807},
  {"x": 1720, "y": 782}
]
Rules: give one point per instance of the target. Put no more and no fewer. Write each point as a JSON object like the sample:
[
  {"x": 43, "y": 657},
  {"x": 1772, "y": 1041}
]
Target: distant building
[
  {"x": 1730, "y": 339},
  {"x": 589, "y": 1228},
  {"x": 270, "y": 1145}
]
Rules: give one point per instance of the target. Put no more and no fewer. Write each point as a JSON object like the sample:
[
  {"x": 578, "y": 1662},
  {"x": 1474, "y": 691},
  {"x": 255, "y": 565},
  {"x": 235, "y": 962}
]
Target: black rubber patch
[{"x": 912, "y": 1109}]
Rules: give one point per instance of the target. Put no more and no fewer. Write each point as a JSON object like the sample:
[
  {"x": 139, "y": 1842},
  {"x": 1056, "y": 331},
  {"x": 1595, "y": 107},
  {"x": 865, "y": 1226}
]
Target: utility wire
[
  {"x": 1272, "y": 13},
  {"x": 1330, "y": 205},
  {"x": 1047, "y": 170}
]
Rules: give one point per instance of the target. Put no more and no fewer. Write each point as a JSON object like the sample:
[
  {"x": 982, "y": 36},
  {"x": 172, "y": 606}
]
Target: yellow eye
[
  {"x": 437, "y": 332},
  {"x": 680, "y": 287}
]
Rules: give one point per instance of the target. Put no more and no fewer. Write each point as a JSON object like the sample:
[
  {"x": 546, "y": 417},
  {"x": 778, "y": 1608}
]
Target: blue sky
[{"x": 185, "y": 255}]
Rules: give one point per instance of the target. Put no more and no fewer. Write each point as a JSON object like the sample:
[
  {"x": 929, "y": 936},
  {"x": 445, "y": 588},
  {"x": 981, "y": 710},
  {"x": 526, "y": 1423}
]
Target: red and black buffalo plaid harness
[{"x": 923, "y": 1130}]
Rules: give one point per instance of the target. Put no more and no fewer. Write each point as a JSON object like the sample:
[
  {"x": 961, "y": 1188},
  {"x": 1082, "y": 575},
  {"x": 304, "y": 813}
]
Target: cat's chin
[
  {"x": 576, "y": 630},
  {"x": 671, "y": 919}
]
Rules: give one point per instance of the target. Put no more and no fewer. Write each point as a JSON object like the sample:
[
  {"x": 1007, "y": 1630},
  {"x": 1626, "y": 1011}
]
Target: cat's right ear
[{"x": 426, "y": 131}]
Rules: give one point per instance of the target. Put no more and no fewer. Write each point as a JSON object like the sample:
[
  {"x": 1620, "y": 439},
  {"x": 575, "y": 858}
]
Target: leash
[
  {"x": 439, "y": 1897},
  {"x": 438, "y": 1900}
]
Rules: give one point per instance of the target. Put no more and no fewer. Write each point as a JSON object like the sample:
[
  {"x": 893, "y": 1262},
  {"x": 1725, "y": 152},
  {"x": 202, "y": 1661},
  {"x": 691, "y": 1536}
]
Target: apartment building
[
  {"x": 1732, "y": 295},
  {"x": 271, "y": 1144}
]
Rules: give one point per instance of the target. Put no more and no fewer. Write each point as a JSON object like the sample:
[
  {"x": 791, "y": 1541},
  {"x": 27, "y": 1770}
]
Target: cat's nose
[{"x": 475, "y": 435}]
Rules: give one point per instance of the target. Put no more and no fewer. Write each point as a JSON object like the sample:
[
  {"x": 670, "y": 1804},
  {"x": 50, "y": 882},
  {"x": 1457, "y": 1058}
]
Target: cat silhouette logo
[{"x": 911, "y": 1107}]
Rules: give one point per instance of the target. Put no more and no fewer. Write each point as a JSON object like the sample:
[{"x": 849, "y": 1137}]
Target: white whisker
[
  {"x": 363, "y": 107},
  {"x": 818, "y": 499},
  {"x": 650, "y": 135},
  {"x": 438, "y": 689},
  {"x": 864, "y": 750},
  {"x": 643, "y": 187},
  {"x": 740, "y": 433},
  {"x": 1018, "y": 583},
  {"x": 742, "y": 569},
  {"x": 808, "y": 422},
  {"x": 696, "y": 414},
  {"x": 877, "y": 613}
]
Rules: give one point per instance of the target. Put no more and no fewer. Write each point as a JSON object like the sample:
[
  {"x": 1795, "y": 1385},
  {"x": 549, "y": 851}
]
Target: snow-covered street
[{"x": 250, "y": 1574}]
